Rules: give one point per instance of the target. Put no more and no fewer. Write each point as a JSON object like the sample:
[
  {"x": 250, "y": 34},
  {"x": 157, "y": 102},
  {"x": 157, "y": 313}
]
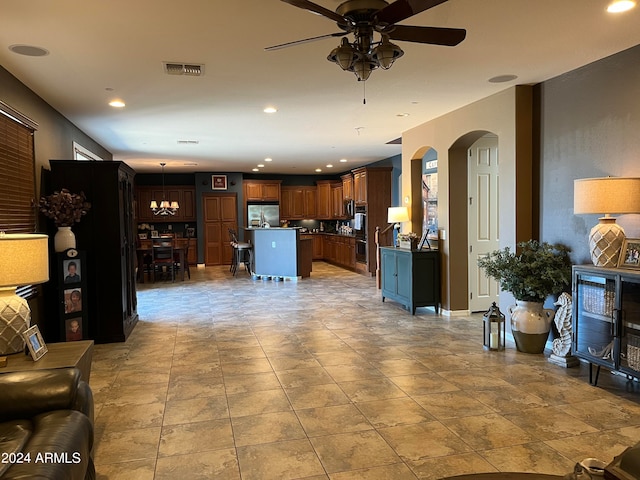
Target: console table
[
  {"x": 60, "y": 355},
  {"x": 411, "y": 277}
]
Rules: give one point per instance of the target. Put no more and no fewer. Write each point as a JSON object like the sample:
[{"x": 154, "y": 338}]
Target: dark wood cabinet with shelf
[
  {"x": 606, "y": 318},
  {"x": 108, "y": 236},
  {"x": 184, "y": 194},
  {"x": 411, "y": 277}
]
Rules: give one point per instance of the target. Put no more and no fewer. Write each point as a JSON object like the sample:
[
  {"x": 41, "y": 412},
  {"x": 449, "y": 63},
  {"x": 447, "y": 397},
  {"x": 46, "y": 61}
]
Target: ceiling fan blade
[
  {"x": 315, "y": 8},
  {"x": 305, "y": 40},
  {"x": 433, "y": 35},
  {"x": 403, "y": 9}
]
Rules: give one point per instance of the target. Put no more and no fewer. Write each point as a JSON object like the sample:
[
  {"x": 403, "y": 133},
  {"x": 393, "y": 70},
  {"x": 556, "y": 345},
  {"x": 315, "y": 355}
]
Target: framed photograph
[
  {"x": 218, "y": 182},
  {"x": 630, "y": 254},
  {"x": 73, "y": 329},
  {"x": 424, "y": 240},
  {"x": 142, "y": 236},
  {"x": 35, "y": 343},
  {"x": 191, "y": 232},
  {"x": 72, "y": 270},
  {"x": 154, "y": 234},
  {"x": 73, "y": 300}
]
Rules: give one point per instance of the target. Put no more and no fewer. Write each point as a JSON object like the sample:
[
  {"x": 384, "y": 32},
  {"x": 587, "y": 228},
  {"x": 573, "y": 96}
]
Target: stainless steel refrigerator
[{"x": 261, "y": 215}]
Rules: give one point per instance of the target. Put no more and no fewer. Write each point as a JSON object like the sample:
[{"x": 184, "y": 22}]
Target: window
[
  {"x": 17, "y": 176},
  {"x": 82, "y": 153}
]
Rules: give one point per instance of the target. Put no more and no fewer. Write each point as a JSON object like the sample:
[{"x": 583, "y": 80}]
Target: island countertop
[{"x": 280, "y": 252}]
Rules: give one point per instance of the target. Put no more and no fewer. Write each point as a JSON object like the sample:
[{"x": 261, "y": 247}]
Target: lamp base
[
  {"x": 605, "y": 242},
  {"x": 14, "y": 319}
]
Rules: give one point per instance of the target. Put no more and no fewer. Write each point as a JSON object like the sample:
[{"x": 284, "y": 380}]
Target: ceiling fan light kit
[{"x": 364, "y": 19}]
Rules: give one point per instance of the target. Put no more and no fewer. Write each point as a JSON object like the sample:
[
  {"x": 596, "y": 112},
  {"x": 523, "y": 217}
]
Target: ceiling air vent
[{"x": 192, "y": 69}]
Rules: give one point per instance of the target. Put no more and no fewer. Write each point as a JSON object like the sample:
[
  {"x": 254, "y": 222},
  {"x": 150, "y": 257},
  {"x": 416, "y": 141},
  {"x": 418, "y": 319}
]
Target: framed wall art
[
  {"x": 630, "y": 254},
  {"x": 218, "y": 182}
]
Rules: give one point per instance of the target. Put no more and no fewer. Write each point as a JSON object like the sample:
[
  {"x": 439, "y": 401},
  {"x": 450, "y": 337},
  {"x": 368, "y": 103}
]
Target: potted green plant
[
  {"x": 65, "y": 209},
  {"x": 531, "y": 273}
]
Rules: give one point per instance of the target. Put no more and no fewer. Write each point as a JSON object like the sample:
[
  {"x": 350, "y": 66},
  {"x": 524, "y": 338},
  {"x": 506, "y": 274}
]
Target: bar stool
[{"x": 242, "y": 252}]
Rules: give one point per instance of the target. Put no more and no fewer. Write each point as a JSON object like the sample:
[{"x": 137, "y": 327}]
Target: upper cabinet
[
  {"x": 183, "y": 194},
  {"x": 360, "y": 186},
  {"x": 297, "y": 202},
  {"x": 262, "y": 190},
  {"x": 323, "y": 202},
  {"x": 347, "y": 186}
]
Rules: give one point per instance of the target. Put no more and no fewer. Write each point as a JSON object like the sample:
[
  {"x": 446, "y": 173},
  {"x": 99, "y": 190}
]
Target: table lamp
[
  {"x": 397, "y": 215},
  {"x": 24, "y": 260},
  {"x": 606, "y": 196}
]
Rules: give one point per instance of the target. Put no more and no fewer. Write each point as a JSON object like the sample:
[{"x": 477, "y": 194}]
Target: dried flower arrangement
[
  {"x": 63, "y": 207},
  {"x": 408, "y": 236}
]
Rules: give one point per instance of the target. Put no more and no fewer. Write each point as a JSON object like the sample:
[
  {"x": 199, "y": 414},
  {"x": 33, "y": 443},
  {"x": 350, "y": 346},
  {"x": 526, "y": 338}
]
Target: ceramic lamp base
[
  {"x": 14, "y": 319},
  {"x": 605, "y": 242}
]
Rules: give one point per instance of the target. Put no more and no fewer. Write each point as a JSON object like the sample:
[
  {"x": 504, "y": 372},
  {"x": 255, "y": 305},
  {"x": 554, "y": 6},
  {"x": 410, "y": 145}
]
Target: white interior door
[{"x": 484, "y": 230}]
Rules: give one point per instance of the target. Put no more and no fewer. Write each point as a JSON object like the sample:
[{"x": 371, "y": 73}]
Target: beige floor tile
[
  {"x": 452, "y": 404},
  {"x": 511, "y": 399},
  {"x": 136, "y": 394},
  {"x": 371, "y": 389},
  {"x": 316, "y": 396},
  {"x": 604, "y": 445},
  {"x": 424, "y": 440},
  {"x": 304, "y": 377},
  {"x": 126, "y": 417},
  {"x": 605, "y": 414},
  {"x": 267, "y": 428},
  {"x": 450, "y": 465},
  {"x": 193, "y": 386},
  {"x": 256, "y": 403},
  {"x": 393, "y": 412},
  {"x": 196, "y": 437},
  {"x": 128, "y": 445},
  {"x": 549, "y": 423},
  {"x": 255, "y": 382},
  {"x": 398, "y": 471},
  {"x": 331, "y": 420},
  {"x": 135, "y": 470},
  {"x": 423, "y": 384},
  {"x": 195, "y": 410},
  {"x": 353, "y": 372},
  {"x": 353, "y": 451},
  {"x": 279, "y": 461},
  {"x": 218, "y": 464},
  {"x": 486, "y": 432},
  {"x": 531, "y": 458},
  {"x": 254, "y": 365}
]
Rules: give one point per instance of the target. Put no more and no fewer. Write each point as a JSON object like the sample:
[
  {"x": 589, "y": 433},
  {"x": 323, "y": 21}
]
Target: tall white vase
[
  {"x": 64, "y": 239},
  {"x": 530, "y": 325}
]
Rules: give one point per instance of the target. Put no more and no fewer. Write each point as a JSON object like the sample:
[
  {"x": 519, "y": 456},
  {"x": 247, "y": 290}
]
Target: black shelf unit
[{"x": 606, "y": 319}]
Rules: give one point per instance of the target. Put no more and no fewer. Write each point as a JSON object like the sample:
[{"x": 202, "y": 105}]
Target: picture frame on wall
[
  {"x": 35, "y": 342},
  {"x": 218, "y": 182},
  {"x": 630, "y": 254}
]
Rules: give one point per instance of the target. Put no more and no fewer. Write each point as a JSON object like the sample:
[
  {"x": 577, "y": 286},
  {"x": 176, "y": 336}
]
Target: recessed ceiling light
[
  {"x": 29, "y": 50},
  {"x": 502, "y": 78},
  {"x": 270, "y": 110},
  {"x": 117, "y": 103},
  {"x": 343, "y": 160},
  {"x": 620, "y": 6},
  {"x": 255, "y": 169},
  {"x": 329, "y": 166},
  {"x": 318, "y": 169},
  {"x": 402, "y": 114},
  {"x": 268, "y": 159},
  {"x": 261, "y": 165}
]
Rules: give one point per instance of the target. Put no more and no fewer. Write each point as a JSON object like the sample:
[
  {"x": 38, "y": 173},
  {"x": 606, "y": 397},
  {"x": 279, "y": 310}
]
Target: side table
[{"x": 60, "y": 355}]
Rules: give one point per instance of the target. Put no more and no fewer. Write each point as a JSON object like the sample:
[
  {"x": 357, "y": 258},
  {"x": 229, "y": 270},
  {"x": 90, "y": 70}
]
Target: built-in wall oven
[{"x": 360, "y": 229}]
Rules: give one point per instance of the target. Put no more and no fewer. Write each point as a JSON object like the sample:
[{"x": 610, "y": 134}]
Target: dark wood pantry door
[{"x": 220, "y": 214}]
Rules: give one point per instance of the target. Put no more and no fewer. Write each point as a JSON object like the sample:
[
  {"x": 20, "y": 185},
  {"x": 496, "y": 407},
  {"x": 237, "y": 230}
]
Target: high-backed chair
[
  {"x": 241, "y": 253},
  {"x": 162, "y": 257}
]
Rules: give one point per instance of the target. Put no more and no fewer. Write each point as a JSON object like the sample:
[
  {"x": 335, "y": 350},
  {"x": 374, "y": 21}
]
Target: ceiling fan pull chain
[{"x": 364, "y": 92}]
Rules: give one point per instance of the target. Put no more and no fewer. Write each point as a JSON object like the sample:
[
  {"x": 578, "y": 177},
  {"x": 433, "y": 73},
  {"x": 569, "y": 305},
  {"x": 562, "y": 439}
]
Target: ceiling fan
[{"x": 363, "y": 18}]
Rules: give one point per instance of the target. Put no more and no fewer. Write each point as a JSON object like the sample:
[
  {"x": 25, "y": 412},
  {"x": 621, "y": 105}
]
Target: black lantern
[{"x": 493, "y": 323}]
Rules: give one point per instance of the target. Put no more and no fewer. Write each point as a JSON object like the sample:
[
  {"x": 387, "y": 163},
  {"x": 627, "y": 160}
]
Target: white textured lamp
[
  {"x": 24, "y": 260},
  {"x": 397, "y": 215},
  {"x": 606, "y": 196}
]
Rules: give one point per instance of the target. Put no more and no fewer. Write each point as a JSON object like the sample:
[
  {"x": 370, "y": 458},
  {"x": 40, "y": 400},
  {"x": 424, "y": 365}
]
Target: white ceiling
[{"x": 121, "y": 45}]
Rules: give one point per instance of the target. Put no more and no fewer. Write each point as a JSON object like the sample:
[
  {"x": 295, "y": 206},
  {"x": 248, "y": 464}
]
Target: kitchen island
[{"x": 280, "y": 252}]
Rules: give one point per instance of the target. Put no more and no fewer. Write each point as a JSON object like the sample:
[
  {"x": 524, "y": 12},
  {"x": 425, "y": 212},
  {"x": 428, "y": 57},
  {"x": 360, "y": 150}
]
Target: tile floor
[{"x": 231, "y": 378}]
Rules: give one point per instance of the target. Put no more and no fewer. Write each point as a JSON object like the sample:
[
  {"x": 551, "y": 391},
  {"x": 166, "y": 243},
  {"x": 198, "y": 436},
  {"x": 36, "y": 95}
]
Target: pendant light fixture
[{"x": 166, "y": 207}]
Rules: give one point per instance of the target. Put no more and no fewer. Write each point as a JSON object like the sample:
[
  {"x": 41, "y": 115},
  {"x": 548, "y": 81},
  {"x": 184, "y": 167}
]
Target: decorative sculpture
[{"x": 561, "y": 346}]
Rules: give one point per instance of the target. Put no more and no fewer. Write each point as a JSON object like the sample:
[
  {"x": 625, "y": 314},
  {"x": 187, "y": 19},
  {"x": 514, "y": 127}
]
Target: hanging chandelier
[
  {"x": 166, "y": 207},
  {"x": 365, "y": 55}
]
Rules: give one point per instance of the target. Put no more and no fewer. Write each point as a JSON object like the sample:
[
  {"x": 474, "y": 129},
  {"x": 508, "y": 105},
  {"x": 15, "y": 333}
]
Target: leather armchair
[{"x": 46, "y": 425}]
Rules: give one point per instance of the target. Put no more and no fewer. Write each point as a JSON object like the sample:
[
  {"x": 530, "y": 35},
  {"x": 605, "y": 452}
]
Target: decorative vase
[
  {"x": 530, "y": 325},
  {"x": 64, "y": 239}
]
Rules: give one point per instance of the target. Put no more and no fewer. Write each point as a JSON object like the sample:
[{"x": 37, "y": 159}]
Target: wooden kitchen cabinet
[
  {"x": 347, "y": 186},
  {"x": 297, "y": 203},
  {"x": 337, "y": 201},
  {"x": 339, "y": 250},
  {"x": 360, "y": 186},
  {"x": 323, "y": 203},
  {"x": 183, "y": 194},
  {"x": 262, "y": 190}
]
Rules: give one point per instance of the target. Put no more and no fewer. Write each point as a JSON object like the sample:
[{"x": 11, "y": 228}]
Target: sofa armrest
[{"x": 26, "y": 394}]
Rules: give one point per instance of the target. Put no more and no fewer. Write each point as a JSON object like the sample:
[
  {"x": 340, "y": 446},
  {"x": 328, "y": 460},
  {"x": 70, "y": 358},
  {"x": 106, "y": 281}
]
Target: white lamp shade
[
  {"x": 397, "y": 214},
  {"x": 24, "y": 259},
  {"x": 606, "y": 195},
  {"x": 175, "y": 205},
  {"x": 153, "y": 204}
]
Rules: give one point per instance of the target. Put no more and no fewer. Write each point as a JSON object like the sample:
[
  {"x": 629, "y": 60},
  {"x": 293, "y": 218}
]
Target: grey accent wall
[
  {"x": 589, "y": 127},
  {"x": 56, "y": 134}
]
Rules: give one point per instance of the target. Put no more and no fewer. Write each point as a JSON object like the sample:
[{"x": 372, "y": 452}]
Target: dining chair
[
  {"x": 162, "y": 257},
  {"x": 241, "y": 253}
]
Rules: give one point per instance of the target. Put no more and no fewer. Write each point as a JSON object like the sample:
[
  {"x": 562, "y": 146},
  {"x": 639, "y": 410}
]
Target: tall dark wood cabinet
[{"x": 107, "y": 235}]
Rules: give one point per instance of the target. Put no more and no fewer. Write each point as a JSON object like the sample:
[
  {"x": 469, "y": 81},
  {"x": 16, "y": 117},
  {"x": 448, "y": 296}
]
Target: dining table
[{"x": 143, "y": 251}]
